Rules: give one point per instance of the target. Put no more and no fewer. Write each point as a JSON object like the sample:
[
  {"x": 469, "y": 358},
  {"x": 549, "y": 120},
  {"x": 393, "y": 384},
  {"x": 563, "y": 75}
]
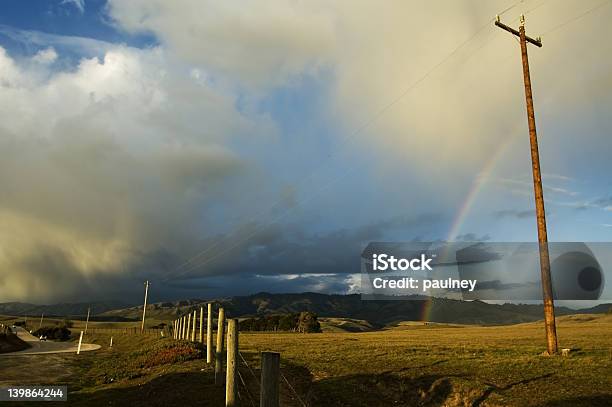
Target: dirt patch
[{"x": 36, "y": 369}]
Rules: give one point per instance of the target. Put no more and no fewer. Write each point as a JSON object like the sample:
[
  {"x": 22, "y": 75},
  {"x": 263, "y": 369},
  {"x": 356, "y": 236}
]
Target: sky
[{"x": 229, "y": 147}]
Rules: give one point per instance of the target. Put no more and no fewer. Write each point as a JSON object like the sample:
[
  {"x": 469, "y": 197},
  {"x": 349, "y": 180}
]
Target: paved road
[{"x": 38, "y": 347}]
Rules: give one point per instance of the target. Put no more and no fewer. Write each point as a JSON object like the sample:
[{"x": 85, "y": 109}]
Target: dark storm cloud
[{"x": 288, "y": 250}]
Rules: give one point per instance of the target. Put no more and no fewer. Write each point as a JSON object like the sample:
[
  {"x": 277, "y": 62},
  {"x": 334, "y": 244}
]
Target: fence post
[
  {"x": 80, "y": 340},
  {"x": 209, "y": 335},
  {"x": 184, "y": 327},
  {"x": 193, "y": 328},
  {"x": 270, "y": 371},
  {"x": 187, "y": 333},
  {"x": 111, "y": 344},
  {"x": 231, "y": 389},
  {"x": 219, "y": 353},
  {"x": 201, "y": 324}
]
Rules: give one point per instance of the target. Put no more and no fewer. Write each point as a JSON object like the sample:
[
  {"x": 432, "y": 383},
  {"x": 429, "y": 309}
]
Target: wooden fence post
[
  {"x": 209, "y": 335},
  {"x": 184, "y": 327},
  {"x": 201, "y": 338},
  {"x": 219, "y": 353},
  {"x": 193, "y": 328},
  {"x": 188, "y": 333},
  {"x": 231, "y": 389},
  {"x": 270, "y": 371}
]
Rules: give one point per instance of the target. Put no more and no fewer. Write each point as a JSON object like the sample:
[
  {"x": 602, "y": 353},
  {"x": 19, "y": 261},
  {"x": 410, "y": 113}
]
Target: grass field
[{"x": 410, "y": 364}]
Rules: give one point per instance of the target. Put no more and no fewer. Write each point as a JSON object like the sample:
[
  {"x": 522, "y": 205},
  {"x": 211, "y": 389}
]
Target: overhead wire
[
  {"x": 192, "y": 263},
  {"x": 571, "y": 20}
]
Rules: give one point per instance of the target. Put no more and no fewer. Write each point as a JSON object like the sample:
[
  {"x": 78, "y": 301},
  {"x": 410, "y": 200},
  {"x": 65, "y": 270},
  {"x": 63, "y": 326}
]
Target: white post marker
[
  {"x": 111, "y": 344},
  {"x": 86, "y": 322},
  {"x": 80, "y": 341}
]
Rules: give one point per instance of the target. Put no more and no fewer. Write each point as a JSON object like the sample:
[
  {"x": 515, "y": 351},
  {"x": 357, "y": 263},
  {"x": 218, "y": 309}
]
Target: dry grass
[
  {"x": 438, "y": 365},
  {"x": 408, "y": 365}
]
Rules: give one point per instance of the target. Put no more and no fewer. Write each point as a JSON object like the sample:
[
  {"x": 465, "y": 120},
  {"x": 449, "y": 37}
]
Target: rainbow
[
  {"x": 481, "y": 179},
  {"x": 464, "y": 210}
]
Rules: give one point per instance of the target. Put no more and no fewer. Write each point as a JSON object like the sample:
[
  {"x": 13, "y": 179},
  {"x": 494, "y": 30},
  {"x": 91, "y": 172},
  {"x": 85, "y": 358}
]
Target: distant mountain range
[
  {"x": 377, "y": 313},
  {"x": 73, "y": 310}
]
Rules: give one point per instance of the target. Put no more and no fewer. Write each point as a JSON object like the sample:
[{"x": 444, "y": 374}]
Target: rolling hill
[{"x": 376, "y": 313}]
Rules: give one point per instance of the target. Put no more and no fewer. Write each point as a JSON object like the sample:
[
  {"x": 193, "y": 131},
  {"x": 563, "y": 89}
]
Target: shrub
[
  {"x": 66, "y": 323},
  {"x": 305, "y": 322},
  {"x": 60, "y": 333},
  {"x": 308, "y": 322}
]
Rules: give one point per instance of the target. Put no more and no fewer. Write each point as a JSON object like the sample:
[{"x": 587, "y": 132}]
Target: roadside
[{"x": 37, "y": 347}]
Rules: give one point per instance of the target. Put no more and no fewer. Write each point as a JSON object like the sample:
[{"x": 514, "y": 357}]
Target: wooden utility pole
[
  {"x": 144, "y": 308},
  {"x": 87, "y": 321},
  {"x": 547, "y": 292}
]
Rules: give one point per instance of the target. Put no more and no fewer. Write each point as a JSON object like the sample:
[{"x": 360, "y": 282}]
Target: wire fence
[{"x": 292, "y": 390}]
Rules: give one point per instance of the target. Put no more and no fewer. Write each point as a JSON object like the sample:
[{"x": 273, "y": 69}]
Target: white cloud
[
  {"x": 45, "y": 56},
  {"x": 255, "y": 43},
  {"x": 459, "y": 115}
]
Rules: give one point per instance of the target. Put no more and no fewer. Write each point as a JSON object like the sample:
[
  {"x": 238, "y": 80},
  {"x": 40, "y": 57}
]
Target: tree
[
  {"x": 308, "y": 322},
  {"x": 288, "y": 322}
]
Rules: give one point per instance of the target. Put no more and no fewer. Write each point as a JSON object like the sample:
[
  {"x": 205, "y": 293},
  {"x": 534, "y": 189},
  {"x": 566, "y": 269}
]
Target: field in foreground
[{"x": 408, "y": 365}]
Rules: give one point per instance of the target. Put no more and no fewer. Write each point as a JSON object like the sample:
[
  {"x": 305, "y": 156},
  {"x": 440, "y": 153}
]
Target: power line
[
  {"x": 364, "y": 125},
  {"x": 192, "y": 263},
  {"x": 589, "y": 11}
]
